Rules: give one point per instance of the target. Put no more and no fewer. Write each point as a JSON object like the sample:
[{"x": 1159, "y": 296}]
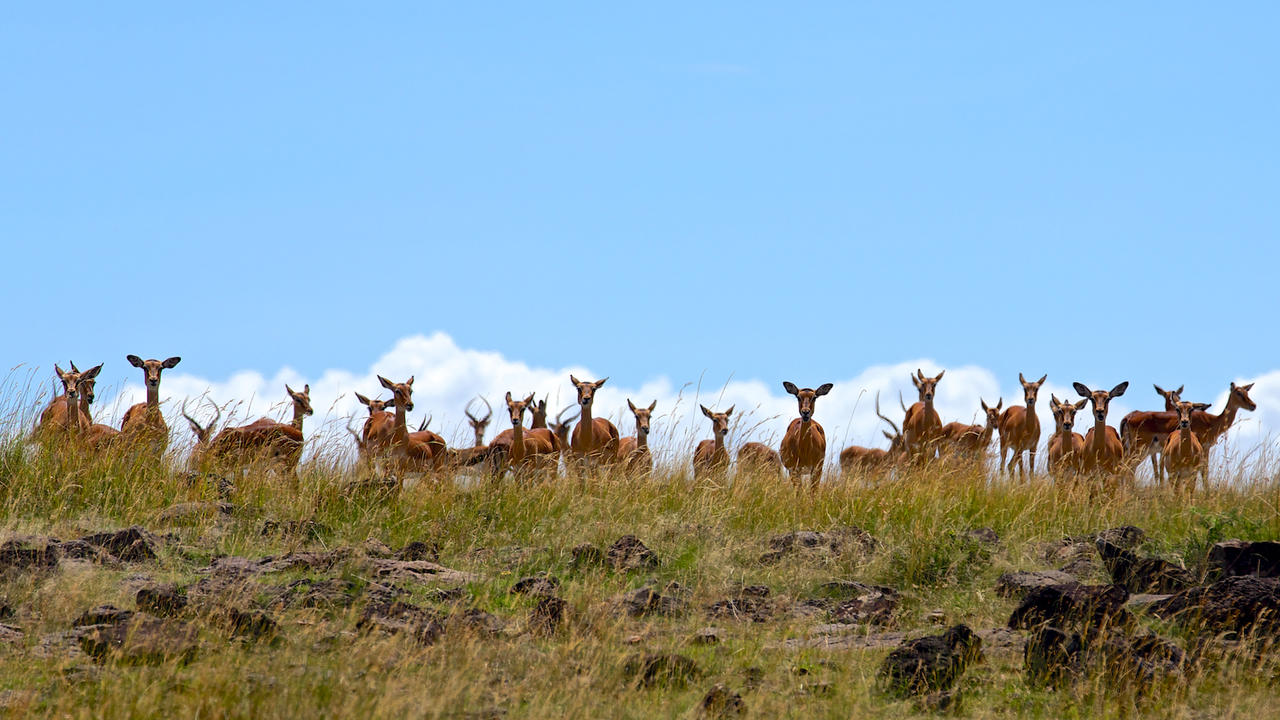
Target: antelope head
[
  {"x": 202, "y": 433},
  {"x": 151, "y": 369},
  {"x": 478, "y": 424},
  {"x": 928, "y": 386},
  {"x": 1239, "y": 395},
  {"x": 402, "y": 393},
  {"x": 586, "y": 390},
  {"x": 1171, "y": 397},
  {"x": 1064, "y": 413},
  {"x": 562, "y": 425},
  {"x": 993, "y": 413},
  {"x": 538, "y": 414},
  {"x": 301, "y": 400},
  {"x": 1101, "y": 399},
  {"x": 643, "y": 416},
  {"x": 806, "y": 397},
  {"x": 719, "y": 421},
  {"x": 1030, "y": 390},
  {"x": 516, "y": 408},
  {"x": 1184, "y": 410}
]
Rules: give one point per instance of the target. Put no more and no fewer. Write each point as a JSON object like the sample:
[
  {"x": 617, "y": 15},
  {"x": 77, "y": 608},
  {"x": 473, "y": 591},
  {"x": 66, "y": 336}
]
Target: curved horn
[
  {"x": 560, "y": 419},
  {"x": 488, "y": 407},
  {"x": 425, "y": 423},
  {"x": 356, "y": 435},
  {"x": 902, "y": 404},
  {"x": 882, "y": 417}
]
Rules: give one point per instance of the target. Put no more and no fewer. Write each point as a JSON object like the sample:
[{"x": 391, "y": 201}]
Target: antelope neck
[{"x": 298, "y": 415}]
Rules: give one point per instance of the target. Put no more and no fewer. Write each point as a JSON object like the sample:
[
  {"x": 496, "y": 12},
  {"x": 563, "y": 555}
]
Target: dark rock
[
  {"x": 753, "y": 677},
  {"x": 140, "y": 639},
  {"x": 133, "y": 544},
  {"x": 17, "y": 555},
  {"x": 373, "y": 547},
  {"x": 81, "y": 550},
  {"x": 11, "y": 635},
  {"x": 722, "y": 702},
  {"x": 629, "y": 553},
  {"x": 1093, "y": 608},
  {"x": 1238, "y": 557},
  {"x": 706, "y": 636},
  {"x": 103, "y": 615},
  {"x": 324, "y": 594},
  {"x": 1142, "y": 575},
  {"x": 6, "y": 611},
  {"x": 836, "y": 541},
  {"x": 1125, "y": 536},
  {"x": 417, "y": 570},
  {"x": 661, "y": 669},
  {"x": 445, "y": 594},
  {"x": 849, "y": 601},
  {"x": 1052, "y": 658},
  {"x": 1079, "y": 560},
  {"x": 480, "y": 621},
  {"x": 649, "y": 601},
  {"x": 395, "y": 616},
  {"x": 586, "y": 555},
  {"x": 983, "y": 535},
  {"x": 1235, "y": 604},
  {"x": 541, "y": 584},
  {"x": 949, "y": 701},
  {"x": 164, "y": 600},
  {"x": 547, "y": 615},
  {"x": 930, "y": 664},
  {"x": 419, "y": 550},
  {"x": 749, "y": 603},
  {"x": 317, "y": 561},
  {"x": 1018, "y": 584},
  {"x": 253, "y": 624},
  {"x": 1138, "y": 660},
  {"x": 308, "y": 529}
]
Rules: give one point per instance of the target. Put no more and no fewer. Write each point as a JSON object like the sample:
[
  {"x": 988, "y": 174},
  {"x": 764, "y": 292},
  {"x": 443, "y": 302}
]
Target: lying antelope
[
  {"x": 1103, "y": 452},
  {"x": 711, "y": 457},
  {"x": 594, "y": 439},
  {"x": 867, "y": 460},
  {"x": 969, "y": 442},
  {"x": 376, "y": 433},
  {"x": 1144, "y": 432},
  {"x": 407, "y": 454},
  {"x": 144, "y": 421},
  {"x": 759, "y": 459},
  {"x": 1066, "y": 448},
  {"x": 1183, "y": 452},
  {"x": 1020, "y": 430},
  {"x": 531, "y": 447},
  {"x": 280, "y": 442},
  {"x": 922, "y": 426},
  {"x": 204, "y": 434},
  {"x": 69, "y": 412},
  {"x": 478, "y": 425},
  {"x": 804, "y": 446},
  {"x": 634, "y": 451}
]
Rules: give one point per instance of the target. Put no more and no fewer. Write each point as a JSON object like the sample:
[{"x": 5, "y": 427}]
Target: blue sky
[{"x": 735, "y": 190}]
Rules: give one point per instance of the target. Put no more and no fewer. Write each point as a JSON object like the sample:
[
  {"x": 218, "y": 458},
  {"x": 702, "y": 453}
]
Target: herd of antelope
[{"x": 1177, "y": 439}]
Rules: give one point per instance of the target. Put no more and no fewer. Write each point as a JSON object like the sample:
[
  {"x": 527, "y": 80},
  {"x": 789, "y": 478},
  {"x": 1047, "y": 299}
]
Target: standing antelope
[
  {"x": 865, "y": 459},
  {"x": 375, "y": 434},
  {"x": 1183, "y": 452},
  {"x": 1020, "y": 429},
  {"x": 969, "y": 442},
  {"x": 68, "y": 412},
  {"x": 804, "y": 446},
  {"x": 204, "y": 434},
  {"x": 478, "y": 425},
  {"x": 921, "y": 426},
  {"x": 282, "y": 442},
  {"x": 144, "y": 421},
  {"x": 407, "y": 454},
  {"x": 527, "y": 447},
  {"x": 594, "y": 439},
  {"x": 1144, "y": 432},
  {"x": 538, "y": 437},
  {"x": 711, "y": 457},
  {"x": 1208, "y": 428},
  {"x": 1103, "y": 452},
  {"x": 634, "y": 451},
  {"x": 1066, "y": 448}
]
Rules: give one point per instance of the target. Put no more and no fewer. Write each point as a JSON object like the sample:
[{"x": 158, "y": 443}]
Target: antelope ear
[
  {"x": 574, "y": 380},
  {"x": 92, "y": 372},
  {"x": 888, "y": 435},
  {"x": 653, "y": 406},
  {"x": 790, "y": 387},
  {"x": 983, "y": 403},
  {"x": 1000, "y": 404},
  {"x": 1082, "y": 389},
  {"x": 409, "y": 382},
  {"x": 730, "y": 410},
  {"x": 387, "y": 383},
  {"x": 1201, "y": 406},
  {"x": 62, "y": 372},
  {"x": 168, "y": 364},
  {"x": 289, "y": 389},
  {"x": 823, "y": 389},
  {"x": 508, "y": 397},
  {"x": 1042, "y": 379},
  {"x": 600, "y": 383},
  {"x": 306, "y": 389},
  {"x": 1080, "y": 405},
  {"x": 529, "y": 400},
  {"x": 1248, "y": 387},
  {"x": 134, "y": 360},
  {"x": 631, "y": 405},
  {"x": 944, "y": 372},
  {"x": 363, "y": 400},
  {"x": 915, "y": 380},
  {"x": 705, "y": 411},
  {"x": 1053, "y": 401},
  {"x": 1022, "y": 379},
  {"x": 1118, "y": 390},
  {"x": 1180, "y": 389}
]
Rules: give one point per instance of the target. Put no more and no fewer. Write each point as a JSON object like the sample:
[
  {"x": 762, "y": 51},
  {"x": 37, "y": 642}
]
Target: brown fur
[
  {"x": 594, "y": 439},
  {"x": 804, "y": 446},
  {"x": 1103, "y": 452},
  {"x": 1020, "y": 429},
  {"x": 711, "y": 457},
  {"x": 922, "y": 427}
]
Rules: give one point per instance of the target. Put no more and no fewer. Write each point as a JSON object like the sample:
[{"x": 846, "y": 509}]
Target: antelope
[
  {"x": 526, "y": 446},
  {"x": 1143, "y": 432},
  {"x": 280, "y": 441},
  {"x": 593, "y": 438},
  {"x": 856, "y": 457},
  {"x": 634, "y": 451},
  {"x": 69, "y": 411},
  {"x": 538, "y": 433},
  {"x": 1066, "y": 448},
  {"x": 711, "y": 457},
  {"x": 407, "y": 454},
  {"x": 203, "y": 435},
  {"x": 1183, "y": 452},
  {"x": 1208, "y": 428},
  {"x": 145, "y": 419},
  {"x": 562, "y": 426},
  {"x": 440, "y": 452},
  {"x": 375, "y": 434},
  {"x": 970, "y": 441},
  {"x": 759, "y": 458},
  {"x": 1020, "y": 430},
  {"x": 1103, "y": 452},
  {"x": 804, "y": 446},
  {"x": 479, "y": 424},
  {"x": 921, "y": 426}
]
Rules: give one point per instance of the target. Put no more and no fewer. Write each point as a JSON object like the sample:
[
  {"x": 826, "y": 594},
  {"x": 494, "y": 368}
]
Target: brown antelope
[
  {"x": 711, "y": 457},
  {"x": 1183, "y": 452},
  {"x": 1103, "y": 452},
  {"x": 758, "y": 458},
  {"x": 526, "y": 446},
  {"x": 593, "y": 438},
  {"x": 1144, "y": 432},
  {"x": 1020, "y": 430},
  {"x": 281, "y": 442},
  {"x": 144, "y": 420},
  {"x": 969, "y": 442},
  {"x": 922, "y": 426},
  {"x": 407, "y": 454},
  {"x": 634, "y": 450},
  {"x": 867, "y": 460},
  {"x": 1066, "y": 448},
  {"x": 538, "y": 434},
  {"x": 1208, "y": 428},
  {"x": 68, "y": 411},
  {"x": 562, "y": 425},
  {"x": 375, "y": 434},
  {"x": 478, "y": 425},
  {"x": 204, "y": 434},
  {"x": 804, "y": 446}
]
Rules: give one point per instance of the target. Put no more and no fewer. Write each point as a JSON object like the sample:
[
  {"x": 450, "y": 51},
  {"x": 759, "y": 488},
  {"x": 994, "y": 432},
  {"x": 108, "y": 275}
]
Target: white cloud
[{"x": 448, "y": 376}]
